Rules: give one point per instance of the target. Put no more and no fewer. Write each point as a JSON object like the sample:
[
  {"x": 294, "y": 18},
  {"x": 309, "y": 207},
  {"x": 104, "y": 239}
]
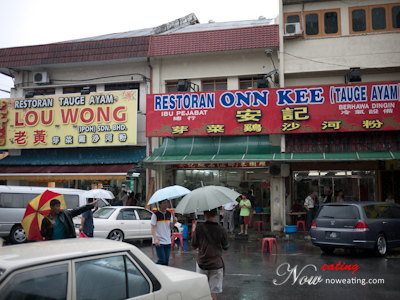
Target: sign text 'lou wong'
[{"x": 97, "y": 119}]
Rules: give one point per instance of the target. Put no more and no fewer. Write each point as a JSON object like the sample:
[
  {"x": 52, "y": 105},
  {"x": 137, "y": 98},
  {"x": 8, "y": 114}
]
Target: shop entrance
[{"x": 356, "y": 185}]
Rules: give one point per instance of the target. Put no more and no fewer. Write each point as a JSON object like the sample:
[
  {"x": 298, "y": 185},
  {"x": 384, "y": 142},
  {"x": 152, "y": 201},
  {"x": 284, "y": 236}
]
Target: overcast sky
[{"x": 36, "y": 22}]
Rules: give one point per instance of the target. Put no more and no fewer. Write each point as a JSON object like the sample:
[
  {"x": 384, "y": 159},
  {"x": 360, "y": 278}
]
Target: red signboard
[
  {"x": 329, "y": 108},
  {"x": 258, "y": 164}
]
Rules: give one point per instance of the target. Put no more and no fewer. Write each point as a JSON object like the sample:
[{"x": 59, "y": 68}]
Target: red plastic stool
[
  {"x": 302, "y": 223},
  {"x": 258, "y": 223},
  {"x": 270, "y": 242},
  {"x": 174, "y": 236}
]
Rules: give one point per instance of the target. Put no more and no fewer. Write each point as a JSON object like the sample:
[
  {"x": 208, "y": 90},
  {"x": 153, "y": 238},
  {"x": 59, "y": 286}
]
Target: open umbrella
[
  {"x": 206, "y": 198},
  {"x": 36, "y": 210},
  {"x": 168, "y": 193},
  {"x": 98, "y": 193}
]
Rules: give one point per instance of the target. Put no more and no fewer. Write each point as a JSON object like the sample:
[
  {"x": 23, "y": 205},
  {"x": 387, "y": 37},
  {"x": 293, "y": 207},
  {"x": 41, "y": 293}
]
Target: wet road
[{"x": 251, "y": 274}]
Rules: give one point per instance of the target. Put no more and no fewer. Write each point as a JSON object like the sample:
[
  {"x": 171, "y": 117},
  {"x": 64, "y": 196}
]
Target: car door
[
  {"x": 110, "y": 277},
  {"x": 391, "y": 213},
  {"x": 129, "y": 223},
  {"x": 40, "y": 282},
  {"x": 145, "y": 218},
  {"x": 387, "y": 222}
]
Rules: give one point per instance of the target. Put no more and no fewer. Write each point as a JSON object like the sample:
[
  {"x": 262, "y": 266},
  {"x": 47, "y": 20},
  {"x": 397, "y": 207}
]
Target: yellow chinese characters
[
  {"x": 331, "y": 124},
  {"x": 215, "y": 128},
  {"x": 372, "y": 124},
  {"x": 179, "y": 129},
  {"x": 290, "y": 126},
  {"x": 252, "y": 127},
  {"x": 248, "y": 115},
  {"x": 295, "y": 114}
]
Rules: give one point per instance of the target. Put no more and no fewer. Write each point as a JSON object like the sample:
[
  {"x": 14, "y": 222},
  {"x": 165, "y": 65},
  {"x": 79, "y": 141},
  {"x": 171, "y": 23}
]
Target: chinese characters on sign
[
  {"x": 103, "y": 119},
  {"x": 261, "y": 164},
  {"x": 340, "y": 108}
]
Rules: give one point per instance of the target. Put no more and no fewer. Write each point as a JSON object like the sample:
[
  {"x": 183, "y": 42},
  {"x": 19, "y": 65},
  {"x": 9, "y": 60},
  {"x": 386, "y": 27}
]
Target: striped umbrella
[{"x": 36, "y": 211}]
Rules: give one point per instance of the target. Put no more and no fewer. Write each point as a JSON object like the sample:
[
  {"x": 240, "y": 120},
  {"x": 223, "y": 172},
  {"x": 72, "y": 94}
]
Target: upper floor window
[
  {"x": 171, "y": 87},
  {"x": 248, "y": 82},
  {"x": 322, "y": 23},
  {"x": 214, "y": 85},
  {"x": 45, "y": 92},
  {"x": 77, "y": 89},
  {"x": 317, "y": 23},
  {"x": 374, "y": 18}
]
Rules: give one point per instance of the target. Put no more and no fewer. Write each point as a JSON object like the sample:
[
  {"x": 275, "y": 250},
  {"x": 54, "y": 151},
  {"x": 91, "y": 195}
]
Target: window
[
  {"x": 144, "y": 214},
  {"x": 172, "y": 87},
  {"x": 44, "y": 283},
  {"x": 16, "y": 200},
  {"x": 45, "y": 92},
  {"x": 339, "y": 212},
  {"x": 322, "y": 23},
  {"x": 126, "y": 214},
  {"x": 77, "y": 89},
  {"x": 214, "y": 85},
  {"x": 293, "y": 18},
  {"x": 248, "y": 82},
  {"x": 109, "y": 278},
  {"x": 374, "y": 18}
]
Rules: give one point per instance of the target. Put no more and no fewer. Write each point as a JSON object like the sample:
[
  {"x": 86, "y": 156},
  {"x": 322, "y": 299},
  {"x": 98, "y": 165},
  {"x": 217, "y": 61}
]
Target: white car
[
  {"x": 92, "y": 269},
  {"x": 123, "y": 223}
]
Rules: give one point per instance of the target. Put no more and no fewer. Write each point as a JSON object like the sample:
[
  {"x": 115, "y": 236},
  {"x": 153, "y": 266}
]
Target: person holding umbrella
[
  {"x": 162, "y": 221},
  {"x": 58, "y": 223}
]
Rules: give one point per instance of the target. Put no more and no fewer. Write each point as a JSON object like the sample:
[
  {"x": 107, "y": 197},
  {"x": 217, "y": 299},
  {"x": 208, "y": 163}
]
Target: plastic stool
[
  {"x": 302, "y": 223},
  {"x": 258, "y": 223},
  {"x": 174, "y": 236},
  {"x": 270, "y": 242}
]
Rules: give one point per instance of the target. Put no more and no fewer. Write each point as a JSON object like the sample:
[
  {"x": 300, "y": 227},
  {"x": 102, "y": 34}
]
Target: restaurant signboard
[
  {"x": 327, "y": 108},
  {"x": 70, "y": 120}
]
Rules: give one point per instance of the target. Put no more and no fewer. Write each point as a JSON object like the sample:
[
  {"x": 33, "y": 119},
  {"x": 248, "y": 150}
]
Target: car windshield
[
  {"x": 103, "y": 213},
  {"x": 339, "y": 212}
]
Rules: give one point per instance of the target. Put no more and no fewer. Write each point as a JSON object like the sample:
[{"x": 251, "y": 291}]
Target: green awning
[
  {"x": 213, "y": 149},
  {"x": 245, "y": 148}
]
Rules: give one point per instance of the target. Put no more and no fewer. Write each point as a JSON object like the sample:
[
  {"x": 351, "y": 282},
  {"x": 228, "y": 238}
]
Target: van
[{"x": 14, "y": 200}]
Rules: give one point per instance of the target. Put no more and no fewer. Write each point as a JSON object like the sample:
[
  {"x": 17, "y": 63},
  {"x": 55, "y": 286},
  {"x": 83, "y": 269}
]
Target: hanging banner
[
  {"x": 70, "y": 120},
  {"x": 330, "y": 108}
]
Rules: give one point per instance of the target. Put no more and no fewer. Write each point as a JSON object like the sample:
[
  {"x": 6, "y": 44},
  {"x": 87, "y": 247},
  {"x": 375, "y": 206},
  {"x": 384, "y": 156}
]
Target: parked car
[
  {"x": 14, "y": 200},
  {"x": 363, "y": 225},
  {"x": 92, "y": 269},
  {"x": 123, "y": 223}
]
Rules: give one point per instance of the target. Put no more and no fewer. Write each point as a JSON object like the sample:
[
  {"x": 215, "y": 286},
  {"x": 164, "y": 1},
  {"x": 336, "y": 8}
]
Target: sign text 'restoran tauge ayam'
[
  {"x": 330, "y": 108},
  {"x": 70, "y": 120}
]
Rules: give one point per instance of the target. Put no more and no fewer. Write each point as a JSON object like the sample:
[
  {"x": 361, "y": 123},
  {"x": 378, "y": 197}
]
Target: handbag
[
  {"x": 219, "y": 252},
  {"x": 82, "y": 235}
]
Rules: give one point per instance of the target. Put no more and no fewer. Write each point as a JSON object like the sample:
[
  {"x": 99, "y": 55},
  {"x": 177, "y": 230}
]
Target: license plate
[{"x": 332, "y": 235}]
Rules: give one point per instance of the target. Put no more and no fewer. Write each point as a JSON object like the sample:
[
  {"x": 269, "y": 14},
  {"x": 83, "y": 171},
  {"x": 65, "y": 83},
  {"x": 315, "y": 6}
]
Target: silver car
[{"x": 362, "y": 225}]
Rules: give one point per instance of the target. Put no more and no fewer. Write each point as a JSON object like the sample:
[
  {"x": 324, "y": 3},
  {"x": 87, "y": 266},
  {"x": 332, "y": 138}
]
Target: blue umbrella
[{"x": 168, "y": 193}]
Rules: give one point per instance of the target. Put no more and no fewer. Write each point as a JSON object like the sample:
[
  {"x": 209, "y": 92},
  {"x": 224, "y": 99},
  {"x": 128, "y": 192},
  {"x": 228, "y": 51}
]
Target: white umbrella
[
  {"x": 206, "y": 198},
  {"x": 98, "y": 193},
  {"x": 168, "y": 193}
]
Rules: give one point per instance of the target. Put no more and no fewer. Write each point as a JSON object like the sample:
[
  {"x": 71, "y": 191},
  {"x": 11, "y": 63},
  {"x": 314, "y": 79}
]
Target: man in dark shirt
[
  {"x": 210, "y": 238},
  {"x": 58, "y": 223}
]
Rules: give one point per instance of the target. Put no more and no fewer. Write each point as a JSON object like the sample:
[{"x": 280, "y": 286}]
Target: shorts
[
  {"x": 214, "y": 278},
  {"x": 245, "y": 220}
]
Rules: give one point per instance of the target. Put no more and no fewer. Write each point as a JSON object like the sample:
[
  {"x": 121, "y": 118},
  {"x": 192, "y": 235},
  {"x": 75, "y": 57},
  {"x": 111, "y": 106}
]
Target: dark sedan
[{"x": 362, "y": 225}]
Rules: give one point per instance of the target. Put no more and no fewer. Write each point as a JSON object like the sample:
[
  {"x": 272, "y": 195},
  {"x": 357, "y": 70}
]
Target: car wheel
[
  {"x": 327, "y": 249},
  {"x": 116, "y": 235},
  {"x": 380, "y": 245},
  {"x": 17, "y": 235}
]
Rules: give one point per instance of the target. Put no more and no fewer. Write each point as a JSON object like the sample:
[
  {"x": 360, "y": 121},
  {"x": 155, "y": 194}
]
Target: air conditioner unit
[
  {"x": 41, "y": 78},
  {"x": 281, "y": 170},
  {"x": 292, "y": 29}
]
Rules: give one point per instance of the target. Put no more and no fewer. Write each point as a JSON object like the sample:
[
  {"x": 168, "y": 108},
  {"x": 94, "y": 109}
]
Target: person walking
[
  {"x": 210, "y": 238},
  {"x": 162, "y": 221},
  {"x": 309, "y": 206},
  {"x": 87, "y": 222},
  {"x": 58, "y": 223},
  {"x": 245, "y": 206},
  {"x": 253, "y": 205},
  {"x": 228, "y": 211}
]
